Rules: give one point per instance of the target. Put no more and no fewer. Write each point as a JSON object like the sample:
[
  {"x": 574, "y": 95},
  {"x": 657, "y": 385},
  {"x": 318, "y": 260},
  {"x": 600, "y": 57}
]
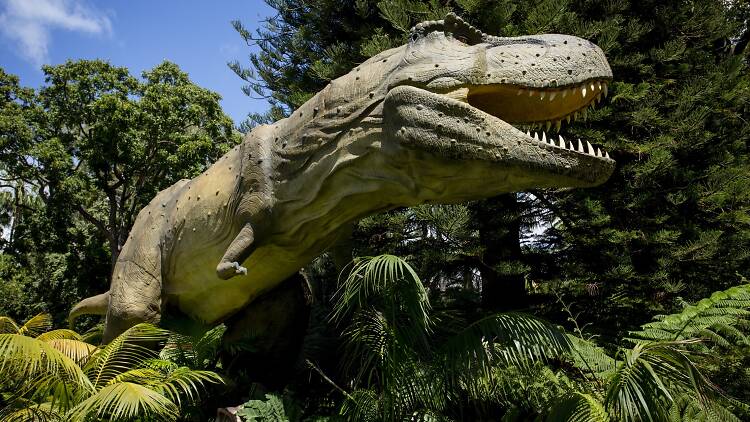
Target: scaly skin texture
[{"x": 427, "y": 122}]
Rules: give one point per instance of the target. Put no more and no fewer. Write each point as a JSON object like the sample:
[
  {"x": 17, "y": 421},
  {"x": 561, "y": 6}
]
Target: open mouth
[{"x": 539, "y": 111}]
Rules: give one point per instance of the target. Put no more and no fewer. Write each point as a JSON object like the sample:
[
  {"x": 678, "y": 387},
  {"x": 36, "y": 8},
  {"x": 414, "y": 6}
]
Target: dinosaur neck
[{"x": 361, "y": 176}]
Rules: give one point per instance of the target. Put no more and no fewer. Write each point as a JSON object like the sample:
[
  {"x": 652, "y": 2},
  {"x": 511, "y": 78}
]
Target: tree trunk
[{"x": 498, "y": 222}]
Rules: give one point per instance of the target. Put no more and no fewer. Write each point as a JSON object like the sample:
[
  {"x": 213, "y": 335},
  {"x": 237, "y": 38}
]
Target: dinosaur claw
[
  {"x": 239, "y": 269},
  {"x": 227, "y": 270}
]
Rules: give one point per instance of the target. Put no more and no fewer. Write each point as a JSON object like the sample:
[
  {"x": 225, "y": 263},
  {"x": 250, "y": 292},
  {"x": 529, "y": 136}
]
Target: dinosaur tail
[{"x": 94, "y": 305}]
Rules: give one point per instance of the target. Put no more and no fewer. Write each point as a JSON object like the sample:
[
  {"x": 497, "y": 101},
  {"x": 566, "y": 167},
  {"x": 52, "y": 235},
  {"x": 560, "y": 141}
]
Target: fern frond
[
  {"x": 591, "y": 358},
  {"x": 578, "y": 407},
  {"x": 725, "y": 309}
]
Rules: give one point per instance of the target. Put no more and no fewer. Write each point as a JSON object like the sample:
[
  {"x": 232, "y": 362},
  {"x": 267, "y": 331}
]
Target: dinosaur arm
[{"x": 237, "y": 252}]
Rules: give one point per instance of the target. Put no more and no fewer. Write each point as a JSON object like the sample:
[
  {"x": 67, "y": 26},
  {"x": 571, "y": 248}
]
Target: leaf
[
  {"x": 578, "y": 407},
  {"x": 652, "y": 374},
  {"x": 124, "y": 401},
  {"x": 23, "y": 357},
  {"x": 37, "y": 325},
  {"x": 123, "y": 353}
]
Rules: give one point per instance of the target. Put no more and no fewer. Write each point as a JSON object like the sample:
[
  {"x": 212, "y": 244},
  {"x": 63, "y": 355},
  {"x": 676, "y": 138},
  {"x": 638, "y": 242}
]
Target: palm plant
[
  {"x": 58, "y": 376},
  {"x": 404, "y": 359}
]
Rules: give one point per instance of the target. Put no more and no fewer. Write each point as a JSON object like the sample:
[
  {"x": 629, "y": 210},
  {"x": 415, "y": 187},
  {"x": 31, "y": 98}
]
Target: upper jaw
[{"x": 452, "y": 128}]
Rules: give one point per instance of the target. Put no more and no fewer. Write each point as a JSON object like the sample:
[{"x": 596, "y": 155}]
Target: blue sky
[{"x": 138, "y": 34}]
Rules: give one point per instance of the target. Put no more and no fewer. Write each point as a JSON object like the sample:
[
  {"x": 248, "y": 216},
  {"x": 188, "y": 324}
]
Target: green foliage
[
  {"x": 272, "y": 409},
  {"x": 57, "y": 376},
  {"x": 79, "y": 158},
  {"x": 718, "y": 319}
]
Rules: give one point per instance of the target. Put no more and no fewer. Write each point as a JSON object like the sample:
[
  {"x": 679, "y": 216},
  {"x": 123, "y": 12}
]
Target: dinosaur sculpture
[{"x": 427, "y": 122}]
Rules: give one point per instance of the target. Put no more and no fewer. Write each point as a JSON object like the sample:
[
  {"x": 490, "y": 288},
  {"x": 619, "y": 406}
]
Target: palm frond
[
  {"x": 687, "y": 408},
  {"x": 125, "y": 352},
  {"x": 30, "y": 412},
  {"x": 125, "y": 401},
  {"x": 185, "y": 383},
  {"x": 362, "y": 405},
  {"x": 77, "y": 350},
  {"x": 388, "y": 280},
  {"x": 508, "y": 338},
  {"x": 59, "y": 335},
  {"x": 37, "y": 325},
  {"x": 194, "y": 351},
  {"x": 8, "y": 325},
  {"x": 578, "y": 407},
  {"x": 23, "y": 357},
  {"x": 651, "y": 375}
]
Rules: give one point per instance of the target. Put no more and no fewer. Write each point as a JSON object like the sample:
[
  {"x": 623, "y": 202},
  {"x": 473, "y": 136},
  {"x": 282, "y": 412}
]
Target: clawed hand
[
  {"x": 239, "y": 269},
  {"x": 227, "y": 270}
]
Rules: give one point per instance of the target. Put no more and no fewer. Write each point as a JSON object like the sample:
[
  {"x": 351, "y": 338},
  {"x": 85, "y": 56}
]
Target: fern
[
  {"x": 718, "y": 319},
  {"x": 272, "y": 409}
]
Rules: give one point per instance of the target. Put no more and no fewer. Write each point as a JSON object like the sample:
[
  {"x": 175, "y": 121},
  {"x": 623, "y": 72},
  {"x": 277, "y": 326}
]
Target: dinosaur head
[{"x": 458, "y": 94}]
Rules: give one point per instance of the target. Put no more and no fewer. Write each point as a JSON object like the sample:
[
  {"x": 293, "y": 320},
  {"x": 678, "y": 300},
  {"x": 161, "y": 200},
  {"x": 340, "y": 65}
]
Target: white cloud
[{"x": 29, "y": 22}]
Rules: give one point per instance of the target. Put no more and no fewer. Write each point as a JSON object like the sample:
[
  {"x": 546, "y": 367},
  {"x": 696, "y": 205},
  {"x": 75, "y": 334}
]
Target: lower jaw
[{"x": 455, "y": 130}]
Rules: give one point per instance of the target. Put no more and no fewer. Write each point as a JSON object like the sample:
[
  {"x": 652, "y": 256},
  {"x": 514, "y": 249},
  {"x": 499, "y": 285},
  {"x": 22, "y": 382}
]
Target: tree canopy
[{"x": 84, "y": 153}]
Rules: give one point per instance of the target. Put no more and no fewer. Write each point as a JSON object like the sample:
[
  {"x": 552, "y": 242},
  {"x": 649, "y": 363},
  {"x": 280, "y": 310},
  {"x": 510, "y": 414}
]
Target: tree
[
  {"x": 112, "y": 142},
  {"x": 85, "y": 153}
]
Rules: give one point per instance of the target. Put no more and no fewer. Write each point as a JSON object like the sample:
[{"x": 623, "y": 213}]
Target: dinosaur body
[{"x": 427, "y": 122}]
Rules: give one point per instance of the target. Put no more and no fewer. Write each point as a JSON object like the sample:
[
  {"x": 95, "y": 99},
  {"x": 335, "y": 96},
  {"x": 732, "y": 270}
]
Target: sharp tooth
[
  {"x": 598, "y": 152},
  {"x": 528, "y": 133},
  {"x": 552, "y": 95},
  {"x": 542, "y": 94},
  {"x": 562, "y": 141},
  {"x": 585, "y": 113},
  {"x": 536, "y": 136},
  {"x": 590, "y": 148},
  {"x": 531, "y": 93},
  {"x": 606, "y": 154},
  {"x": 600, "y": 85},
  {"x": 567, "y": 119},
  {"x": 520, "y": 91},
  {"x": 592, "y": 87},
  {"x": 544, "y": 137},
  {"x": 547, "y": 124},
  {"x": 580, "y": 146},
  {"x": 583, "y": 92},
  {"x": 599, "y": 98},
  {"x": 564, "y": 92},
  {"x": 606, "y": 90},
  {"x": 558, "y": 123}
]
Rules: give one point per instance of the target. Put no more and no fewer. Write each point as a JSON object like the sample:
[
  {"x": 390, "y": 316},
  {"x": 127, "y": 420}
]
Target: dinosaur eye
[{"x": 414, "y": 36}]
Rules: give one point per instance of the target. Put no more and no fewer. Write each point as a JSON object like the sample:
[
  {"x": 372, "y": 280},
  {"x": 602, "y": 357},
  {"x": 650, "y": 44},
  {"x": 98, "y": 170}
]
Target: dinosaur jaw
[{"x": 464, "y": 124}]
